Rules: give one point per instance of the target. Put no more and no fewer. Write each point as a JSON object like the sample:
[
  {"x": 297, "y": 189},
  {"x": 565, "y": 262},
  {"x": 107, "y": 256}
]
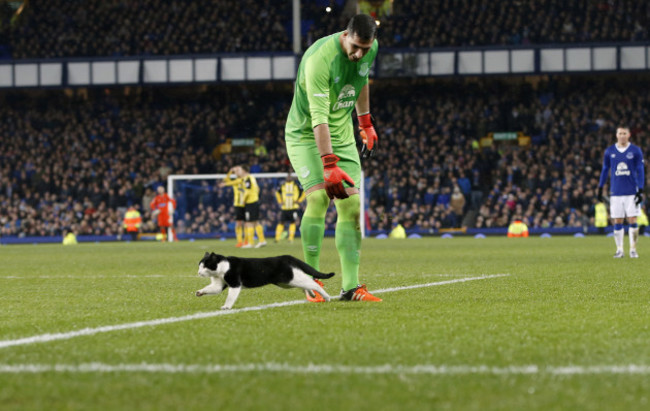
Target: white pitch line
[
  {"x": 127, "y": 326},
  {"x": 458, "y": 280},
  {"x": 81, "y": 277},
  {"x": 38, "y": 277},
  {"x": 387, "y": 369}
]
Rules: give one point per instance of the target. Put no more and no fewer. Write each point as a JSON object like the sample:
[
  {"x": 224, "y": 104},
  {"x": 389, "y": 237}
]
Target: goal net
[{"x": 205, "y": 210}]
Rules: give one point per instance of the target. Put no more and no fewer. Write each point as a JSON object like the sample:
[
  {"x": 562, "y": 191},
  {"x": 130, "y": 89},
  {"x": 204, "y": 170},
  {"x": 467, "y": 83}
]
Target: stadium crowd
[
  {"x": 78, "y": 162},
  {"x": 445, "y": 23},
  {"x": 436, "y": 175},
  {"x": 76, "y": 28}
]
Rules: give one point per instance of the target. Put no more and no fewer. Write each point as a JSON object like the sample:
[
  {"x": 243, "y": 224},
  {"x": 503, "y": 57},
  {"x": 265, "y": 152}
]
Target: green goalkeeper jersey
[{"x": 327, "y": 87}]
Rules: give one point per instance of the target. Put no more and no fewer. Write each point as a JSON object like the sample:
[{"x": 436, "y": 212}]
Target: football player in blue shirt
[{"x": 625, "y": 160}]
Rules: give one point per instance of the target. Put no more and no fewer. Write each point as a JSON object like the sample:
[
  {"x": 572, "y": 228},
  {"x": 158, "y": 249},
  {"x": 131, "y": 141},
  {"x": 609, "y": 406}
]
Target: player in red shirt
[{"x": 164, "y": 206}]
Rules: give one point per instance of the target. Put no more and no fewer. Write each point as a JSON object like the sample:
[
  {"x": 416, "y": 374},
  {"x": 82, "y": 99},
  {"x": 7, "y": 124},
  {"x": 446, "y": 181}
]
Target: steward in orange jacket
[
  {"x": 132, "y": 222},
  {"x": 517, "y": 229}
]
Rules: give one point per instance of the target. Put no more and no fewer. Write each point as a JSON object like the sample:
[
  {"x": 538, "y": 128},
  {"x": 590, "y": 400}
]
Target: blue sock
[
  {"x": 634, "y": 225},
  {"x": 618, "y": 227}
]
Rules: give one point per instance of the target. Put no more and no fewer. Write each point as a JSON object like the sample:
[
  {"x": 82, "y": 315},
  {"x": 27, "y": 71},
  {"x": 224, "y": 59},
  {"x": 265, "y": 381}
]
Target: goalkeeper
[{"x": 332, "y": 80}]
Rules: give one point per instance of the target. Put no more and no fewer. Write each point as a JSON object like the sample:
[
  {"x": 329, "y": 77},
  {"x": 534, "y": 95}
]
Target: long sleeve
[
  {"x": 640, "y": 171},
  {"x": 317, "y": 77},
  {"x": 230, "y": 181},
  {"x": 605, "y": 171}
]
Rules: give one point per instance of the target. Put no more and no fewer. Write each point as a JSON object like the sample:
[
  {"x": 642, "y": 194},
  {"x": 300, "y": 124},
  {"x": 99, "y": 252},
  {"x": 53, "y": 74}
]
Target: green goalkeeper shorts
[{"x": 306, "y": 162}]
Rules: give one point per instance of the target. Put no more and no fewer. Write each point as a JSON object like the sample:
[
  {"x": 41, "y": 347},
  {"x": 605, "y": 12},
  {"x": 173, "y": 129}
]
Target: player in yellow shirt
[
  {"x": 289, "y": 197},
  {"x": 251, "y": 195},
  {"x": 232, "y": 180}
]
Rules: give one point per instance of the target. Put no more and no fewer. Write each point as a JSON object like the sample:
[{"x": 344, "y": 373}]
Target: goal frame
[{"x": 171, "y": 178}]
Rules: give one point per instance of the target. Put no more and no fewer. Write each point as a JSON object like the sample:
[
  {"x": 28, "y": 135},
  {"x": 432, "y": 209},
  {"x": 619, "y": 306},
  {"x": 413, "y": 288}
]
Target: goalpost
[{"x": 178, "y": 182}]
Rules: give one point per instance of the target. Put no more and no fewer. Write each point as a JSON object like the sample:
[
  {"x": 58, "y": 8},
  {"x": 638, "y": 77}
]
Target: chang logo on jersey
[
  {"x": 622, "y": 170},
  {"x": 347, "y": 92}
]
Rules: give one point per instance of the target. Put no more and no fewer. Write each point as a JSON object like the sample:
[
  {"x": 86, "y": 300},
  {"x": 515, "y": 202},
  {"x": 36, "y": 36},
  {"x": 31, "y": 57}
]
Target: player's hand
[
  {"x": 334, "y": 177},
  {"x": 368, "y": 135},
  {"x": 599, "y": 196},
  {"x": 638, "y": 197}
]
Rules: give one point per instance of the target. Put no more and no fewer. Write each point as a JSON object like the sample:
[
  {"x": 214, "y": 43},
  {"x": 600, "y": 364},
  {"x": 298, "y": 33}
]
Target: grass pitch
[{"x": 567, "y": 328}]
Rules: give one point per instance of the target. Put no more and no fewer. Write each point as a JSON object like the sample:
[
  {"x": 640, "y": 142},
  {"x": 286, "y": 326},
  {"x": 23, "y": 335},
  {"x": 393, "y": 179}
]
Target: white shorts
[{"x": 623, "y": 206}]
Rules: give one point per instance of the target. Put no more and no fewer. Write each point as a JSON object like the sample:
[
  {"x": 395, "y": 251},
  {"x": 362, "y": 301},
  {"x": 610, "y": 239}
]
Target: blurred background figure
[
  {"x": 289, "y": 197},
  {"x": 233, "y": 180},
  {"x": 132, "y": 222},
  {"x": 163, "y": 207},
  {"x": 517, "y": 228}
]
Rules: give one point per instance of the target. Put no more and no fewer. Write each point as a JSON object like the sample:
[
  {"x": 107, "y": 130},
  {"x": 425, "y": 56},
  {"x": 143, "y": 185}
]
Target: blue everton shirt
[{"x": 628, "y": 173}]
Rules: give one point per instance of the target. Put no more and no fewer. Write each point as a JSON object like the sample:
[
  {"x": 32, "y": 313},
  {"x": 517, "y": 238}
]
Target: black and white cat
[{"x": 284, "y": 271}]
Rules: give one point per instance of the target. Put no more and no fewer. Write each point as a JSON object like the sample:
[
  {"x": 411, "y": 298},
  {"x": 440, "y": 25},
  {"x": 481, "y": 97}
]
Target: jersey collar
[{"x": 622, "y": 149}]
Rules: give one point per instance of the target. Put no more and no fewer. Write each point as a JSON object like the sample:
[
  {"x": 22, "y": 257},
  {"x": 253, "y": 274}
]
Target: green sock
[
  {"x": 348, "y": 240},
  {"x": 312, "y": 227}
]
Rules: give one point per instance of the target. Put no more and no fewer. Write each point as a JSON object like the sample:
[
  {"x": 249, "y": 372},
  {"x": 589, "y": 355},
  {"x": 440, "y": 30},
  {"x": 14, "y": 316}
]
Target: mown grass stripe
[{"x": 150, "y": 323}]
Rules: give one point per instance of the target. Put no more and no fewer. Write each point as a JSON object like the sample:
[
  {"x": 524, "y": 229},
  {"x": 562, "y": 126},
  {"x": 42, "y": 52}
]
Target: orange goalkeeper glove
[
  {"x": 368, "y": 135},
  {"x": 334, "y": 177}
]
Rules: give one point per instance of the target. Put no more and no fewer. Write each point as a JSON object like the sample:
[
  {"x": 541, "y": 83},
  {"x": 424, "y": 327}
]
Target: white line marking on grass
[
  {"x": 387, "y": 369},
  {"x": 38, "y": 277},
  {"x": 458, "y": 280},
  {"x": 197, "y": 316},
  {"x": 54, "y": 277}
]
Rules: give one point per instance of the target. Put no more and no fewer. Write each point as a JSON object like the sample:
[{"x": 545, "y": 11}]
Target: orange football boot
[{"x": 360, "y": 293}]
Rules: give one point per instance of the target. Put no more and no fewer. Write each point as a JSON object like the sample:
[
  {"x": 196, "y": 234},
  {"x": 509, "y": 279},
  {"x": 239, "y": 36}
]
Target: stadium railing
[{"x": 390, "y": 63}]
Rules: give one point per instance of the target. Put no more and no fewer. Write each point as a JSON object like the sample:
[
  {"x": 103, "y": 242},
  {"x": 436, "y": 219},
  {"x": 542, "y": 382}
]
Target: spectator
[
  {"x": 457, "y": 201},
  {"x": 65, "y": 28}
]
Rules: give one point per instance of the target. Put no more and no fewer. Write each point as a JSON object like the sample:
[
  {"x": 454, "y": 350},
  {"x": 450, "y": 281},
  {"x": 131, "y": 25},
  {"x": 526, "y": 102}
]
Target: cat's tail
[{"x": 308, "y": 269}]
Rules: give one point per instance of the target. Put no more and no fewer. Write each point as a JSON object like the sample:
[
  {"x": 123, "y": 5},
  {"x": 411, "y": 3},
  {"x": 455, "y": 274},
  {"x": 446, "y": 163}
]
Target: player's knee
[
  {"x": 318, "y": 202},
  {"x": 349, "y": 209}
]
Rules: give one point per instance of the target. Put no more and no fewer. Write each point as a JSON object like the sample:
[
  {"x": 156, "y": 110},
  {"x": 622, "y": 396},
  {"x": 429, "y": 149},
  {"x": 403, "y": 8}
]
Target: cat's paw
[
  {"x": 199, "y": 293},
  {"x": 225, "y": 307}
]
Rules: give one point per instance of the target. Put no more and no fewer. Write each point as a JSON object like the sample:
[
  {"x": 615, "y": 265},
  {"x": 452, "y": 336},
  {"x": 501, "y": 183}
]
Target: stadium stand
[
  {"x": 74, "y": 28},
  {"x": 443, "y": 23},
  {"x": 79, "y": 161}
]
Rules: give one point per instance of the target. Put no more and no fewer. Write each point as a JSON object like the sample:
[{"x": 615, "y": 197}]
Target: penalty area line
[
  {"x": 151, "y": 323},
  {"x": 386, "y": 369}
]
